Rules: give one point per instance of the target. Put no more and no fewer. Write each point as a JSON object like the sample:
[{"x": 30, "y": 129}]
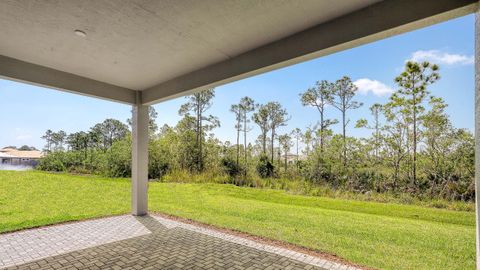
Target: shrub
[
  {"x": 158, "y": 159},
  {"x": 53, "y": 162},
  {"x": 264, "y": 167},
  {"x": 230, "y": 167},
  {"x": 119, "y": 159}
]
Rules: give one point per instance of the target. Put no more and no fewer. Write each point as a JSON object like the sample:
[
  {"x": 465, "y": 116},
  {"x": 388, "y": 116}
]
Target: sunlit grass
[
  {"x": 30, "y": 199},
  {"x": 379, "y": 235},
  {"x": 385, "y": 236}
]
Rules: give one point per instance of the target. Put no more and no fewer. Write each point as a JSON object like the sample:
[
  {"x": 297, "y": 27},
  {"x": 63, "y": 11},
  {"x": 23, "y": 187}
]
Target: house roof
[
  {"x": 5, "y": 155},
  {"x": 9, "y": 152}
]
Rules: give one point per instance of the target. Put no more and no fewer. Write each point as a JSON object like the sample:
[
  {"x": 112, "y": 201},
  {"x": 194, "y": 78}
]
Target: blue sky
[{"x": 27, "y": 111}]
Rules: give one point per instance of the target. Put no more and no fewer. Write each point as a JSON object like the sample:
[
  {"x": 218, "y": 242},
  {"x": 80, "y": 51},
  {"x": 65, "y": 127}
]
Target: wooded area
[{"x": 413, "y": 148}]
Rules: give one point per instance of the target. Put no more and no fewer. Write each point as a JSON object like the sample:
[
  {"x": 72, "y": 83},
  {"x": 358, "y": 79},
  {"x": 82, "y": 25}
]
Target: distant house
[
  {"x": 11, "y": 156},
  {"x": 292, "y": 158}
]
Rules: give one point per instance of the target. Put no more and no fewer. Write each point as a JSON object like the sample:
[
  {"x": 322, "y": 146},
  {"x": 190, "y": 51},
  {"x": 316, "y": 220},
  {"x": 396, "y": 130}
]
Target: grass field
[{"x": 383, "y": 236}]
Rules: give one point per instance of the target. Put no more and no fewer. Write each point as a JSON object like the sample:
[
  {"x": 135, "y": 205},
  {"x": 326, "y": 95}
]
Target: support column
[
  {"x": 477, "y": 132},
  {"x": 139, "y": 157}
]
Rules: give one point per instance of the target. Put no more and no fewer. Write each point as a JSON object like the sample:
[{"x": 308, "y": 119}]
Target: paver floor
[{"x": 150, "y": 242}]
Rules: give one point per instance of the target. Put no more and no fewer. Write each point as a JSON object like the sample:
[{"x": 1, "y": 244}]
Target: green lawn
[
  {"x": 29, "y": 199},
  {"x": 384, "y": 236}
]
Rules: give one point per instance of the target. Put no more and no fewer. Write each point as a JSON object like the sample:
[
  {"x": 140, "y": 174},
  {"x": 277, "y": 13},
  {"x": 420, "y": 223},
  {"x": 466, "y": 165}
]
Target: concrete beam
[
  {"x": 140, "y": 139},
  {"x": 14, "y": 69},
  {"x": 378, "y": 21}
]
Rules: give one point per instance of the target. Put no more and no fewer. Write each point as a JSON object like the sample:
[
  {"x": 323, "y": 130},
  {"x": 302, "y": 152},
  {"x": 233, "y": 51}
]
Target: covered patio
[{"x": 141, "y": 53}]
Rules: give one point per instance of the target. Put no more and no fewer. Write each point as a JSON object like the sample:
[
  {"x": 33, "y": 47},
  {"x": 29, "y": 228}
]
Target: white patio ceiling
[{"x": 156, "y": 50}]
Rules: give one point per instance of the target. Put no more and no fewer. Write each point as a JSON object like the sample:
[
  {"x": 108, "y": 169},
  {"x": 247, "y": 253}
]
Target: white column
[
  {"x": 477, "y": 131},
  {"x": 139, "y": 158}
]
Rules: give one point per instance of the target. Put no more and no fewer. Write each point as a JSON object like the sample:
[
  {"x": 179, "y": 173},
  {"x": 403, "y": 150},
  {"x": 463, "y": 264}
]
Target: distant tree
[
  {"x": 319, "y": 97},
  {"x": 55, "y": 140},
  {"x": 376, "y": 110},
  {"x": 279, "y": 153},
  {"x": 24, "y": 148},
  {"x": 440, "y": 137},
  {"x": 183, "y": 139},
  {"x": 297, "y": 135},
  {"x": 196, "y": 106},
  {"x": 413, "y": 82},
  {"x": 261, "y": 118},
  {"x": 285, "y": 144},
  {"x": 396, "y": 134},
  {"x": 344, "y": 91},
  {"x": 247, "y": 106},
  {"x": 108, "y": 132},
  {"x": 48, "y": 137},
  {"x": 277, "y": 117},
  {"x": 436, "y": 125},
  {"x": 58, "y": 139},
  {"x": 307, "y": 139},
  {"x": 79, "y": 141},
  {"x": 237, "y": 110}
]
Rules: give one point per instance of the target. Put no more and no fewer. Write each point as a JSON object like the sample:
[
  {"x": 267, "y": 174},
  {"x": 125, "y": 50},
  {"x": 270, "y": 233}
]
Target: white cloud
[
  {"x": 366, "y": 85},
  {"x": 22, "y": 134},
  {"x": 439, "y": 57},
  {"x": 23, "y": 137}
]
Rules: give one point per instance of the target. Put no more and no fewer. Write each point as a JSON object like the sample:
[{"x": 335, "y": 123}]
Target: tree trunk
[
  {"x": 297, "y": 153},
  {"x": 197, "y": 136},
  {"x": 238, "y": 142},
  {"x": 264, "y": 143},
  {"x": 200, "y": 150},
  {"x": 377, "y": 146},
  {"x": 245, "y": 141},
  {"x": 344, "y": 139},
  {"x": 279, "y": 156},
  {"x": 414, "y": 142},
  {"x": 273, "y": 138},
  {"x": 322, "y": 126}
]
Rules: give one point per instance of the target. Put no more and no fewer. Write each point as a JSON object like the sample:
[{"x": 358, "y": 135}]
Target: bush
[
  {"x": 264, "y": 167},
  {"x": 119, "y": 159},
  {"x": 158, "y": 159},
  {"x": 53, "y": 162},
  {"x": 230, "y": 167},
  {"x": 316, "y": 170}
]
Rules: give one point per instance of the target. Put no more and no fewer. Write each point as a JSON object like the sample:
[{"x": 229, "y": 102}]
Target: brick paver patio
[{"x": 150, "y": 242}]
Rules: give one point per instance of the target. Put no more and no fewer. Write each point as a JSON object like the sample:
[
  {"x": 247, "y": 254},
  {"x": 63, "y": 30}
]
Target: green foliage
[
  {"x": 264, "y": 167},
  {"x": 414, "y": 151},
  {"x": 119, "y": 159},
  {"x": 261, "y": 118},
  {"x": 196, "y": 107},
  {"x": 158, "y": 158},
  {"x": 54, "y": 140},
  {"x": 231, "y": 167},
  {"x": 53, "y": 162},
  {"x": 26, "y": 148}
]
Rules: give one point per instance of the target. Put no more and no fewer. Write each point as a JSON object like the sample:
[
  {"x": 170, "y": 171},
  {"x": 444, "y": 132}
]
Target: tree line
[{"x": 413, "y": 147}]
